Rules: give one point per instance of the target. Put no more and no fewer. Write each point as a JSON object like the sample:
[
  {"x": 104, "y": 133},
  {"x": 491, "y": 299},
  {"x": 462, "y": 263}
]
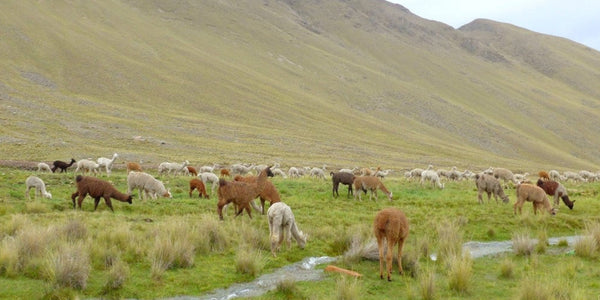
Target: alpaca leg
[
  {"x": 108, "y": 203},
  {"x": 479, "y": 198},
  {"x": 399, "y": 258},
  {"x": 80, "y": 200},
  {"x": 288, "y": 236},
  {"x": 388, "y": 258},
  {"x": 27, "y": 193},
  {"x": 380, "y": 247}
]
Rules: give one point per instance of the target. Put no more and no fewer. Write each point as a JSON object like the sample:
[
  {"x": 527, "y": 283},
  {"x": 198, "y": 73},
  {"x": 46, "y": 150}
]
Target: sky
[{"x": 576, "y": 20}]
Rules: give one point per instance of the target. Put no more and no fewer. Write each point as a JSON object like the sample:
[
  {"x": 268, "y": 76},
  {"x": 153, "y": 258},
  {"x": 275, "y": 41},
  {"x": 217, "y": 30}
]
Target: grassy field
[{"x": 169, "y": 247}]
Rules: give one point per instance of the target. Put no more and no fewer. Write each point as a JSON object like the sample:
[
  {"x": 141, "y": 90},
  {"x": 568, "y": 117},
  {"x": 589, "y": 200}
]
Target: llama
[
  {"x": 241, "y": 193},
  {"x": 343, "y": 178},
  {"x": 107, "y": 163},
  {"x": 269, "y": 192},
  {"x": 553, "y": 188},
  {"x": 86, "y": 165},
  {"x": 33, "y": 182},
  {"x": 63, "y": 166},
  {"x": 133, "y": 166},
  {"x": 490, "y": 185},
  {"x": 207, "y": 177},
  {"x": 42, "y": 167},
  {"x": 196, "y": 183},
  {"x": 97, "y": 188},
  {"x": 534, "y": 194},
  {"x": 147, "y": 185},
  {"x": 431, "y": 175},
  {"x": 282, "y": 224},
  {"x": 371, "y": 183},
  {"x": 392, "y": 225}
]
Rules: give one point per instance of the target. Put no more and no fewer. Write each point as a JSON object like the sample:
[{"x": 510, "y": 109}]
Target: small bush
[
  {"x": 586, "y": 246},
  {"x": 75, "y": 230},
  {"x": 249, "y": 262},
  {"x": 460, "y": 272},
  {"x": 69, "y": 266},
  {"x": 162, "y": 256},
  {"x": 507, "y": 268},
  {"x": 593, "y": 229},
  {"x": 563, "y": 243},
  {"x": 288, "y": 288},
  {"x": 117, "y": 275},
  {"x": 523, "y": 244},
  {"x": 347, "y": 288},
  {"x": 212, "y": 235}
]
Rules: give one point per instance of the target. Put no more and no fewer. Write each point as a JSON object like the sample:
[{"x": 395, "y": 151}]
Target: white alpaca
[
  {"x": 207, "y": 177},
  {"x": 147, "y": 184},
  {"x": 38, "y": 184},
  {"x": 282, "y": 223},
  {"x": 318, "y": 172},
  {"x": 169, "y": 167},
  {"x": 44, "y": 167},
  {"x": 107, "y": 163},
  {"x": 86, "y": 165},
  {"x": 431, "y": 175}
]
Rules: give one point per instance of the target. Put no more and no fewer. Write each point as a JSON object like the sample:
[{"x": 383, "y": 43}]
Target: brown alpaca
[
  {"x": 133, "y": 166},
  {"x": 225, "y": 173},
  {"x": 553, "y": 188},
  {"x": 269, "y": 192},
  {"x": 534, "y": 194},
  {"x": 371, "y": 183},
  {"x": 392, "y": 225},
  {"x": 241, "y": 193},
  {"x": 196, "y": 183},
  {"x": 97, "y": 188},
  {"x": 544, "y": 175},
  {"x": 192, "y": 170}
]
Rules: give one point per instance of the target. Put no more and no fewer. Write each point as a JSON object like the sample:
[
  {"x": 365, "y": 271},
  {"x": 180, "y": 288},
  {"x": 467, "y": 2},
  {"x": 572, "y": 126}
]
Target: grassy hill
[{"x": 362, "y": 82}]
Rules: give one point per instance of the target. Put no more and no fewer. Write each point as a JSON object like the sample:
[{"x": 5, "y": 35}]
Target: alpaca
[
  {"x": 431, "y": 175},
  {"x": 392, "y": 225},
  {"x": 490, "y": 185},
  {"x": 293, "y": 172},
  {"x": 544, "y": 175},
  {"x": 553, "y": 188},
  {"x": 192, "y": 171},
  {"x": 383, "y": 173},
  {"x": 196, "y": 183},
  {"x": 555, "y": 175},
  {"x": 283, "y": 224},
  {"x": 241, "y": 193},
  {"x": 63, "y": 166},
  {"x": 371, "y": 183},
  {"x": 343, "y": 178},
  {"x": 33, "y": 182},
  {"x": 107, "y": 163},
  {"x": 318, "y": 172},
  {"x": 534, "y": 194},
  {"x": 241, "y": 169},
  {"x": 269, "y": 192},
  {"x": 147, "y": 185},
  {"x": 208, "y": 168},
  {"x": 133, "y": 166},
  {"x": 97, "y": 188},
  {"x": 225, "y": 173},
  {"x": 169, "y": 167},
  {"x": 278, "y": 172},
  {"x": 43, "y": 167},
  {"x": 86, "y": 165},
  {"x": 210, "y": 177},
  {"x": 504, "y": 174}
]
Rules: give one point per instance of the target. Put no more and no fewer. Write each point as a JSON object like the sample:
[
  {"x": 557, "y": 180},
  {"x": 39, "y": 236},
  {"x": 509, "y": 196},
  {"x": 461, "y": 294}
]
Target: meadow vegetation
[{"x": 169, "y": 247}]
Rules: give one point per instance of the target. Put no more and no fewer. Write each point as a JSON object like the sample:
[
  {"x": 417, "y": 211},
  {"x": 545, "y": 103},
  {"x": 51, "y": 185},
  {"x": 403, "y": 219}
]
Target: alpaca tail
[{"x": 298, "y": 235}]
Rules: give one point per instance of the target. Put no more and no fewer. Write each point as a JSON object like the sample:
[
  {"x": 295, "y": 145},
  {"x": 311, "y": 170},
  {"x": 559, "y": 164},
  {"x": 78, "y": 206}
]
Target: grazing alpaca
[
  {"x": 241, "y": 193},
  {"x": 192, "y": 171},
  {"x": 196, "y": 183},
  {"x": 225, "y": 173},
  {"x": 392, "y": 225},
  {"x": 544, "y": 175},
  {"x": 43, "y": 167},
  {"x": 534, "y": 194},
  {"x": 33, "y": 182},
  {"x": 147, "y": 185},
  {"x": 371, "y": 183},
  {"x": 282, "y": 223},
  {"x": 97, "y": 188},
  {"x": 343, "y": 178},
  {"x": 268, "y": 193},
  {"x": 431, "y": 175},
  {"x": 210, "y": 177},
  {"x": 86, "y": 165},
  {"x": 172, "y": 167},
  {"x": 59, "y": 164},
  {"x": 553, "y": 188},
  {"x": 490, "y": 185},
  {"x": 107, "y": 163},
  {"x": 133, "y": 166}
]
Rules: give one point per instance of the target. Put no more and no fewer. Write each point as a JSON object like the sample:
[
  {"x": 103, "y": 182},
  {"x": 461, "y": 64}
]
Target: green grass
[{"x": 121, "y": 246}]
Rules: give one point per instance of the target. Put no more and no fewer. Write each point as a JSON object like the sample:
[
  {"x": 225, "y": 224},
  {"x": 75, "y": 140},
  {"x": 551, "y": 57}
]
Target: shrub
[
  {"x": 212, "y": 235},
  {"x": 288, "y": 288},
  {"x": 9, "y": 257},
  {"x": 249, "y": 262},
  {"x": 74, "y": 230},
  {"x": 69, "y": 266},
  {"x": 162, "y": 256}
]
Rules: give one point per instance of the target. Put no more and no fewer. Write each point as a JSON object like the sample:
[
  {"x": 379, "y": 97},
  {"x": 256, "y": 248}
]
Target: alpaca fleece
[{"x": 97, "y": 188}]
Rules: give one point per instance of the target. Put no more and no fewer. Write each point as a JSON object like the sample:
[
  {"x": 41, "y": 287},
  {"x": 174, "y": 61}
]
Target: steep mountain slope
[{"x": 360, "y": 82}]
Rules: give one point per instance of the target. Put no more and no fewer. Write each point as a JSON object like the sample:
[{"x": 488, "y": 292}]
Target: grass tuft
[
  {"x": 507, "y": 268},
  {"x": 586, "y": 246},
  {"x": 249, "y": 261},
  {"x": 69, "y": 266},
  {"x": 523, "y": 244},
  {"x": 427, "y": 286},
  {"x": 449, "y": 240},
  {"x": 460, "y": 272},
  {"x": 348, "y": 288}
]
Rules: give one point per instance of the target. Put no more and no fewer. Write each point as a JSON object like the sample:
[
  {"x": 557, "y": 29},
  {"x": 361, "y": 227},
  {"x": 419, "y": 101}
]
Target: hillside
[{"x": 361, "y": 82}]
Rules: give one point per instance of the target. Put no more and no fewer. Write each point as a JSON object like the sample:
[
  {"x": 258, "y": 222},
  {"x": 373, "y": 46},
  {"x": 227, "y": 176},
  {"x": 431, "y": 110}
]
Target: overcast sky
[{"x": 577, "y": 20}]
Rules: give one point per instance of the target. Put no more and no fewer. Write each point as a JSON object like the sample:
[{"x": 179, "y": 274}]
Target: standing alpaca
[
  {"x": 241, "y": 193},
  {"x": 133, "y": 166},
  {"x": 392, "y": 225},
  {"x": 371, "y": 183},
  {"x": 269, "y": 192},
  {"x": 196, "y": 183},
  {"x": 431, "y": 175},
  {"x": 33, "y": 182},
  {"x": 97, "y": 188},
  {"x": 86, "y": 165},
  {"x": 147, "y": 185},
  {"x": 59, "y": 164},
  {"x": 553, "y": 188},
  {"x": 343, "y": 178},
  {"x": 282, "y": 223},
  {"x": 192, "y": 171},
  {"x": 225, "y": 173},
  {"x": 490, "y": 185},
  {"x": 107, "y": 163},
  {"x": 210, "y": 177},
  {"x": 43, "y": 167}
]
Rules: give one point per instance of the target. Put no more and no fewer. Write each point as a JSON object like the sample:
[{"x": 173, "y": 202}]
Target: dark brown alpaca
[
  {"x": 392, "y": 225},
  {"x": 553, "y": 188},
  {"x": 241, "y": 193},
  {"x": 97, "y": 188},
  {"x": 269, "y": 192},
  {"x": 59, "y": 164},
  {"x": 196, "y": 183},
  {"x": 343, "y": 178}
]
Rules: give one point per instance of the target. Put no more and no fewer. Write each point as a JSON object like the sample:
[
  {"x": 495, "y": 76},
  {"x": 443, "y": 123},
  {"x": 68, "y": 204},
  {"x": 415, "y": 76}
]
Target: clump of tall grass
[
  {"x": 586, "y": 246},
  {"x": 427, "y": 287},
  {"x": 359, "y": 240},
  {"x": 249, "y": 261},
  {"x": 288, "y": 288},
  {"x": 460, "y": 272},
  {"x": 212, "y": 235},
  {"x": 117, "y": 276},
  {"x": 36, "y": 208},
  {"x": 17, "y": 222},
  {"x": 522, "y": 244},
  {"x": 593, "y": 229},
  {"x": 69, "y": 266},
  {"x": 542, "y": 243},
  {"x": 74, "y": 230},
  {"x": 9, "y": 257},
  {"x": 348, "y": 288},
  {"x": 173, "y": 247},
  {"x": 449, "y": 240},
  {"x": 533, "y": 289},
  {"x": 255, "y": 237},
  {"x": 31, "y": 244}
]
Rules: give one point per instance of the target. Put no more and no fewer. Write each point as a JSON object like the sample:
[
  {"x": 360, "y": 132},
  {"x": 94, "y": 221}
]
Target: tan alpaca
[
  {"x": 283, "y": 224},
  {"x": 534, "y": 194},
  {"x": 241, "y": 193},
  {"x": 371, "y": 183},
  {"x": 133, "y": 166},
  {"x": 392, "y": 225}
]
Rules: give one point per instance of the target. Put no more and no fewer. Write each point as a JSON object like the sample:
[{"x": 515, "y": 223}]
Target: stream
[{"x": 305, "y": 270}]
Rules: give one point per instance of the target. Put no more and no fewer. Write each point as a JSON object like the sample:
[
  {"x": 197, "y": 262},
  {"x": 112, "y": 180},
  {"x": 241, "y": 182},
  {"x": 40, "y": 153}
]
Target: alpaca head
[
  {"x": 48, "y": 195},
  {"x": 129, "y": 199},
  {"x": 302, "y": 239},
  {"x": 168, "y": 194},
  {"x": 505, "y": 199}
]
